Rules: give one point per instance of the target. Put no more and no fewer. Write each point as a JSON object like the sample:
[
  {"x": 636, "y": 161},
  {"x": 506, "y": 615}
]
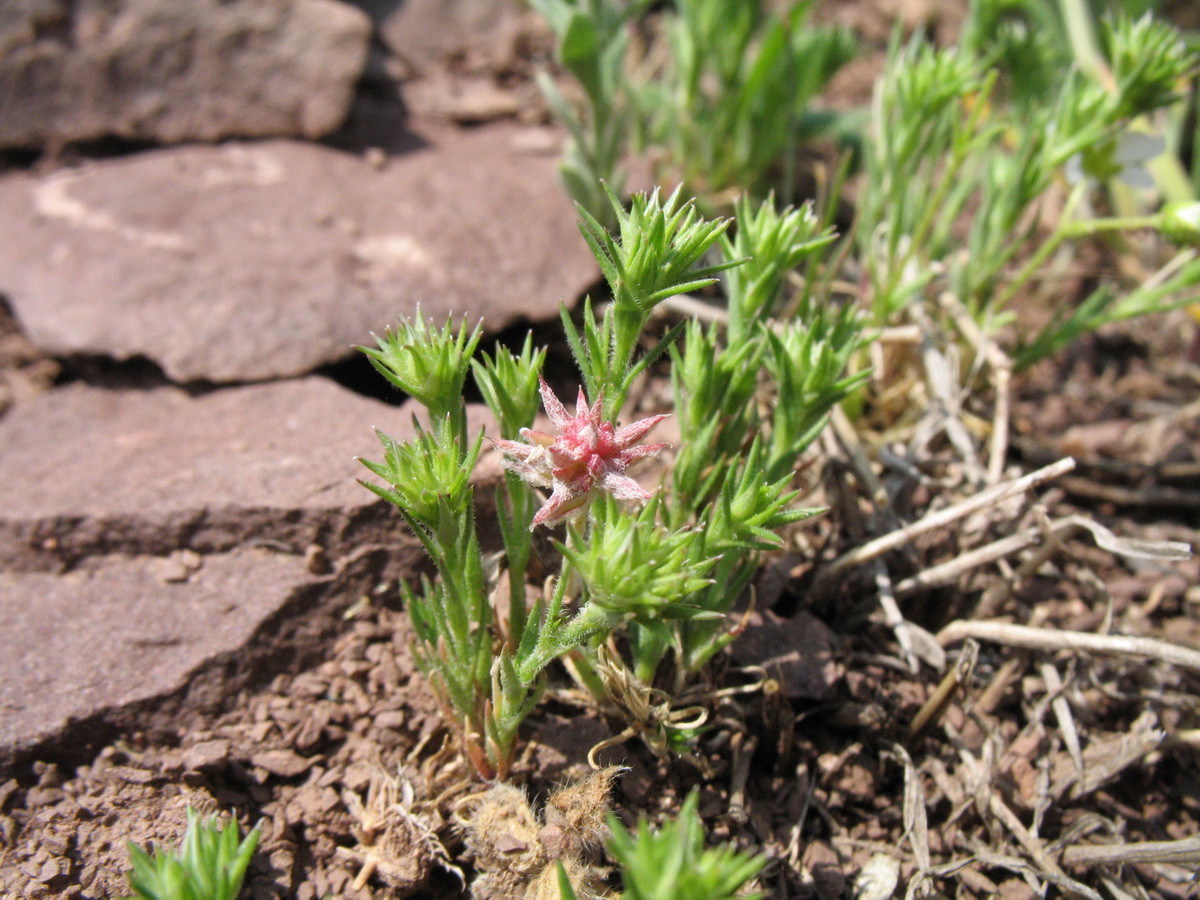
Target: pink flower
[{"x": 587, "y": 457}]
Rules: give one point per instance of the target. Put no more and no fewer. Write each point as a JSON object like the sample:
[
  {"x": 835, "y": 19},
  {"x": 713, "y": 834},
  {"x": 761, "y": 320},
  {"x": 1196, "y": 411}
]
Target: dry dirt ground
[
  {"x": 1040, "y": 764},
  {"x": 831, "y": 744}
]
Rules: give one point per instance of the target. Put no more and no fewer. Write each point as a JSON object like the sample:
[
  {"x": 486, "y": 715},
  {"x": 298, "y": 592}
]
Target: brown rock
[
  {"x": 86, "y": 471},
  {"x": 25, "y": 371},
  {"x": 283, "y": 763},
  {"x": 797, "y": 652},
  {"x": 254, "y": 261},
  {"x": 206, "y": 754},
  {"x": 824, "y": 864},
  {"x": 426, "y": 33},
  {"x": 561, "y": 745},
  {"x": 158, "y": 70},
  {"x": 238, "y": 484},
  {"x": 1016, "y": 889},
  {"x": 111, "y": 634}
]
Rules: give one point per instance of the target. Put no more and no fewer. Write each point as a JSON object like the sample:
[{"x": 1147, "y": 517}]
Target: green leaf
[
  {"x": 672, "y": 863},
  {"x": 579, "y": 51},
  {"x": 210, "y": 865}
]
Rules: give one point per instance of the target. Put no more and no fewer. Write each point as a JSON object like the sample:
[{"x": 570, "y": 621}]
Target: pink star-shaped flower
[{"x": 587, "y": 457}]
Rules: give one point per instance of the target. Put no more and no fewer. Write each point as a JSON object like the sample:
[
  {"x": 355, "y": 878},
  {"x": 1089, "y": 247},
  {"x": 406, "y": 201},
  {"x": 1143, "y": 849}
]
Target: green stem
[
  {"x": 627, "y": 328},
  {"x": 1172, "y": 178},
  {"x": 1091, "y": 227},
  {"x": 649, "y": 654},
  {"x": 585, "y": 674},
  {"x": 588, "y": 622},
  {"x": 1044, "y": 252},
  {"x": 517, "y": 540},
  {"x": 933, "y": 208},
  {"x": 545, "y": 649},
  {"x": 1078, "y": 18}
]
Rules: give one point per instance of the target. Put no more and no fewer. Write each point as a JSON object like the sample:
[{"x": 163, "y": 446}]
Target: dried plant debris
[
  {"x": 397, "y": 843},
  {"x": 517, "y": 853},
  {"x": 1105, "y": 758}
]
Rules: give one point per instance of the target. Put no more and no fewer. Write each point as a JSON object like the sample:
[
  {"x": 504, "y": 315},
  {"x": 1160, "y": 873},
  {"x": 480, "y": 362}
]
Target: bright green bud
[
  {"x": 509, "y": 384},
  {"x": 633, "y": 567},
  {"x": 1179, "y": 222},
  {"x": 425, "y": 476},
  {"x": 425, "y": 363},
  {"x": 751, "y": 509}
]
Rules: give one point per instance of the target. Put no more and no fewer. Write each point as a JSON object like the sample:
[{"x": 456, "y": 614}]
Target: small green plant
[
  {"x": 209, "y": 866},
  {"x": 966, "y": 144},
  {"x": 672, "y": 863},
  {"x": 666, "y": 574},
  {"x": 729, "y": 105},
  {"x": 593, "y": 38},
  {"x": 735, "y": 470},
  {"x": 966, "y": 149},
  {"x": 716, "y": 94}
]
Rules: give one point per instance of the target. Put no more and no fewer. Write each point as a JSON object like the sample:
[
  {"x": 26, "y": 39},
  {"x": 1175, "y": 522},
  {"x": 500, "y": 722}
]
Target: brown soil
[
  {"x": 361, "y": 793},
  {"x": 823, "y": 786}
]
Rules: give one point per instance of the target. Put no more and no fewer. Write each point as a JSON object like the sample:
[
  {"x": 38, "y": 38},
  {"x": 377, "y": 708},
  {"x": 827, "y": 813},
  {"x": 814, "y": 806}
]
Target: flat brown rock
[
  {"x": 164, "y": 71},
  {"x": 426, "y": 33},
  {"x": 86, "y": 471},
  {"x": 111, "y": 634},
  {"x": 247, "y": 262},
  {"x": 155, "y": 545}
]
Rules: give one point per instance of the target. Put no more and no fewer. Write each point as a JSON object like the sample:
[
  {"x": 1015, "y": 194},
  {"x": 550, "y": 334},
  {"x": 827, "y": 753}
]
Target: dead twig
[
  {"x": 1106, "y": 758},
  {"x": 943, "y": 413},
  {"x": 916, "y": 823},
  {"x": 901, "y": 536},
  {"x": 939, "y": 701},
  {"x": 1184, "y": 852},
  {"x": 1055, "y": 640},
  {"x": 1176, "y": 499},
  {"x": 1001, "y": 368},
  {"x": 743, "y": 747},
  {"x": 1062, "y": 712},
  {"x": 950, "y": 571},
  {"x": 1054, "y": 535},
  {"x": 860, "y": 465},
  {"x": 1047, "y": 867},
  {"x": 1060, "y": 529},
  {"x": 915, "y": 642}
]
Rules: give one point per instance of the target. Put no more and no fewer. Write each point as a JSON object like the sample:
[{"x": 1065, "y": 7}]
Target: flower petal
[
  {"x": 634, "y": 432},
  {"x": 1138, "y": 147},
  {"x": 513, "y": 448},
  {"x": 537, "y": 437},
  {"x": 1074, "y": 169},
  {"x": 554, "y": 408},
  {"x": 581, "y": 404},
  {"x": 644, "y": 450},
  {"x": 623, "y": 487},
  {"x": 531, "y": 474},
  {"x": 594, "y": 412},
  {"x": 585, "y": 456},
  {"x": 563, "y": 504},
  {"x": 1136, "y": 176}
]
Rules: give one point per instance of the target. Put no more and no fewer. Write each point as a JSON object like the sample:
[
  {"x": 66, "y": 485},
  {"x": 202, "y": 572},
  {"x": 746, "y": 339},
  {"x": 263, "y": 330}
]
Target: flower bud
[{"x": 1179, "y": 222}]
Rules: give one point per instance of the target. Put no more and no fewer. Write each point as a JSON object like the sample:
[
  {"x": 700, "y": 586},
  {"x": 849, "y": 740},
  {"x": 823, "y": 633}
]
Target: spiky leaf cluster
[
  {"x": 672, "y": 863},
  {"x": 633, "y": 567},
  {"x": 509, "y": 384},
  {"x": 426, "y": 363},
  {"x": 428, "y": 477},
  {"x": 210, "y": 865}
]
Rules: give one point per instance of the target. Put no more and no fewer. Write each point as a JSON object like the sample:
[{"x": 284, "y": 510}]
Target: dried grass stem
[{"x": 1055, "y": 640}]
